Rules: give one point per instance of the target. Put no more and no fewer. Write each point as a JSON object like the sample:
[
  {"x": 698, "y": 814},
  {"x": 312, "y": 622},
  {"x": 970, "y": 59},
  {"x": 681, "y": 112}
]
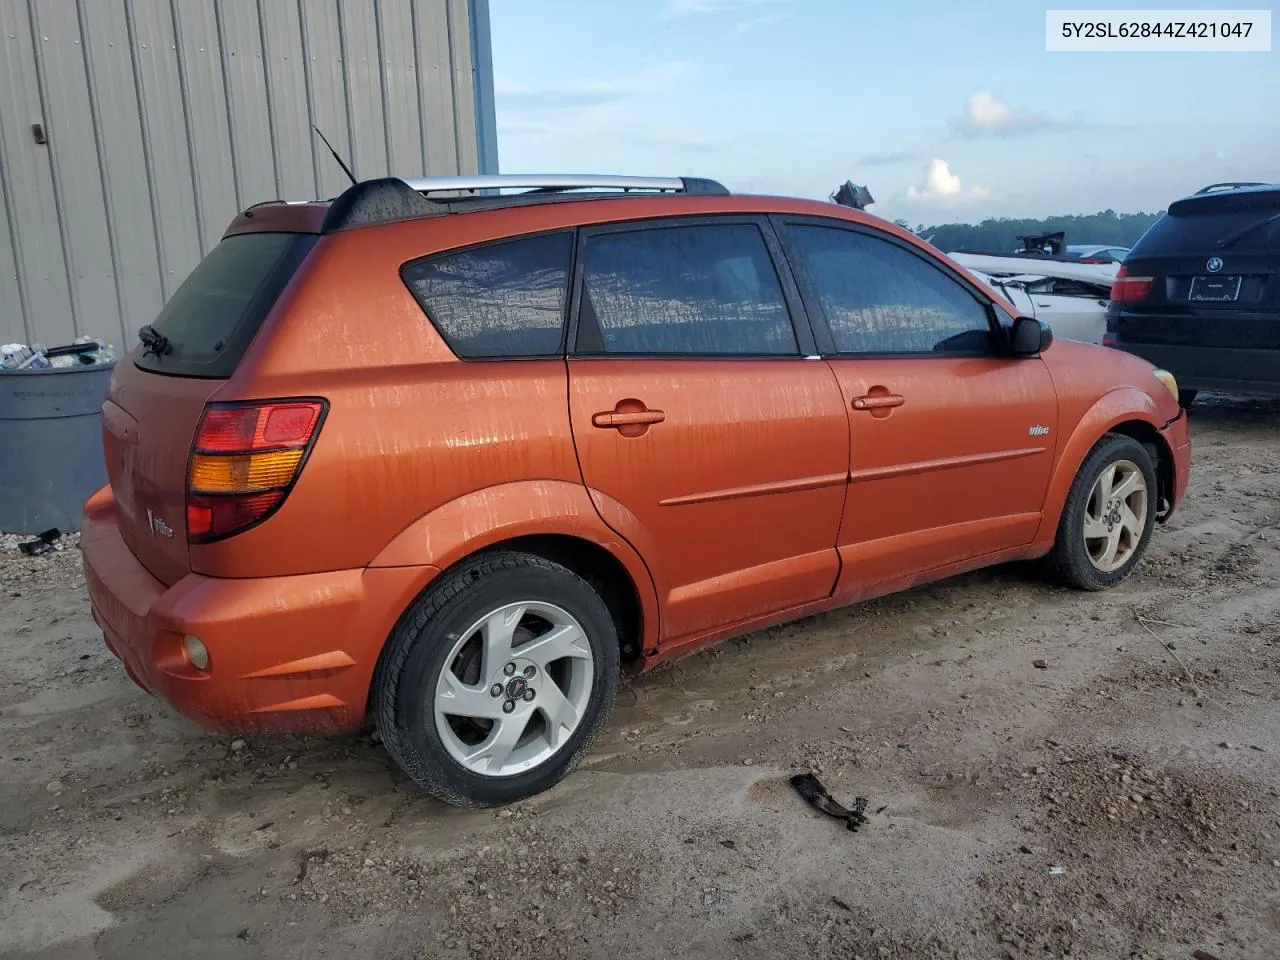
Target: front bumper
[
  {"x": 293, "y": 653},
  {"x": 1177, "y": 435}
]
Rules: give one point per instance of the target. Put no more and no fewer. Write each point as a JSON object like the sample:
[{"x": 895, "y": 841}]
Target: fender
[
  {"x": 492, "y": 515},
  {"x": 1111, "y": 409}
]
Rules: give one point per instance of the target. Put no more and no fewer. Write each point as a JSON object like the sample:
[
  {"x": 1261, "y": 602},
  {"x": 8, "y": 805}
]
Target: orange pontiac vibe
[{"x": 452, "y": 457}]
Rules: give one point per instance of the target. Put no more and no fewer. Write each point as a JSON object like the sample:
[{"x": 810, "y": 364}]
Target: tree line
[{"x": 1001, "y": 235}]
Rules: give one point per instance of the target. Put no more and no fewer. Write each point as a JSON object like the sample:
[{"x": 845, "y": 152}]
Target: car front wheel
[
  {"x": 1108, "y": 517},
  {"x": 497, "y": 680}
]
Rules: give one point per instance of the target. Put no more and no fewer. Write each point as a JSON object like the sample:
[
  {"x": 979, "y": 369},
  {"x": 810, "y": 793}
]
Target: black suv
[{"x": 1199, "y": 294}]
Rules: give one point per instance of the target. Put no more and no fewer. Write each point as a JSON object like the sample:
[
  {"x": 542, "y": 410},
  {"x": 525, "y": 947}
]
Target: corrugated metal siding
[{"x": 165, "y": 118}]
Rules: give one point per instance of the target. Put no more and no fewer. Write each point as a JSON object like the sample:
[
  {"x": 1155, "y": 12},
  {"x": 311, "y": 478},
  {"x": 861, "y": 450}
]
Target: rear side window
[
  {"x": 879, "y": 298},
  {"x": 698, "y": 290},
  {"x": 503, "y": 299},
  {"x": 211, "y": 319}
]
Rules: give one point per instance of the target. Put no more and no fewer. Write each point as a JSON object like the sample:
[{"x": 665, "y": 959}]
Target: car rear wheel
[
  {"x": 1109, "y": 516},
  {"x": 497, "y": 680}
]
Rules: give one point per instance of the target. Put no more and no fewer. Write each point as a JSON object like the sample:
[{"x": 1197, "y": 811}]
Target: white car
[
  {"x": 1096, "y": 273},
  {"x": 1079, "y": 251},
  {"x": 1075, "y": 309}
]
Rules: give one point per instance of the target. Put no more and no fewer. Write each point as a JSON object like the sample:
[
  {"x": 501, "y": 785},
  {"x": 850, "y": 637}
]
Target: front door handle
[
  {"x": 880, "y": 402},
  {"x": 630, "y": 417},
  {"x": 627, "y": 418}
]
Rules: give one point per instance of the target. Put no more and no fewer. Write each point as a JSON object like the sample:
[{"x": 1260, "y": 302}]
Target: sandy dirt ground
[{"x": 1045, "y": 776}]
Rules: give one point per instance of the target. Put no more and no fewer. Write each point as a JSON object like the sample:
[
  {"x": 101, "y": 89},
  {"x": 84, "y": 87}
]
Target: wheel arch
[
  {"x": 554, "y": 519},
  {"x": 1125, "y": 410},
  {"x": 1161, "y": 455}
]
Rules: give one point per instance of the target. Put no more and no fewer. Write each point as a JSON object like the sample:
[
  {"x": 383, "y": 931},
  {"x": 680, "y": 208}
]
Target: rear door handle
[
  {"x": 627, "y": 418},
  {"x": 881, "y": 402}
]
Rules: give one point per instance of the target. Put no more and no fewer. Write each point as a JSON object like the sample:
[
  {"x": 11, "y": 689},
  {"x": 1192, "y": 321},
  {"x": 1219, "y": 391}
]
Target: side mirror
[{"x": 1029, "y": 337}]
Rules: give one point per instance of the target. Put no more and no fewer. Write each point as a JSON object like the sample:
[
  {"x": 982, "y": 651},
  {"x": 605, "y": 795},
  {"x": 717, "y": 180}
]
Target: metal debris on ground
[
  {"x": 811, "y": 788},
  {"x": 43, "y": 543}
]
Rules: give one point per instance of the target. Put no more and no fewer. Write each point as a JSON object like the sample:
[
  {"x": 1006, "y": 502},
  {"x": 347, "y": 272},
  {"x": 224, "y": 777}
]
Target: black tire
[
  {"x": 1069, "y": 560},
  {"x": 403, "y": 702},
  {"x": 1187, "y": 397}
]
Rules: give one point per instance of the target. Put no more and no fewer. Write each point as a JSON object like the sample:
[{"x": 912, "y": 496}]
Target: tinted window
[
  {"x": 879, "y": 298},
  {"x": 708, "y": 290},
  {"x": 499, "y": 300},
  {"x": 210, "y": 319},
  {"x": 1195, "y": 233}
]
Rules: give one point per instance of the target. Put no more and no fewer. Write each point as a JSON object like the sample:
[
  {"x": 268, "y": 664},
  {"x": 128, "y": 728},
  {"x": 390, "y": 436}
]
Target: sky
[{"x": 947, "y": 111}]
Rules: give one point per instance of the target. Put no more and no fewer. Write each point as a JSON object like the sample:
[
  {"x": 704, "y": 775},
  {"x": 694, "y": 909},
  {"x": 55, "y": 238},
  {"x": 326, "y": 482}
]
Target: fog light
[{"x": 196, "y": 652}]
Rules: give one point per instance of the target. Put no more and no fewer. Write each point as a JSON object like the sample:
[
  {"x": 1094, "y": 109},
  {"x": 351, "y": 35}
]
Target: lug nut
[
  {"x": 529, "y": 671},
  {"x": 508, "y": 706},
  {"x": 496, "y": 690},
  {"x": 509, "y": 669},
  {"x": 529, "y": 693}
]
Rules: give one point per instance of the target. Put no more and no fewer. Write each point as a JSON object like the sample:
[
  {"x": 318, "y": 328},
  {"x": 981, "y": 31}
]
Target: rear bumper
[
  {"x": 1221, "y": 369},
  {"x": 290, "y": 653}
]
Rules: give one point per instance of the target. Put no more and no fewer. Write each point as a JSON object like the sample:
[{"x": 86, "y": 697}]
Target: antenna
[{"x": 341, "y": 162}]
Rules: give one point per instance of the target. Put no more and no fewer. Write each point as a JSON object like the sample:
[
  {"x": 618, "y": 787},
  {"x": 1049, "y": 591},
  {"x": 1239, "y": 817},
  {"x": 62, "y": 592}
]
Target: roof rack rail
[
  {"x": 397, "y": 198},
  {"x": 560, "y": 181},
  {"x": 1231, "y": 185}
]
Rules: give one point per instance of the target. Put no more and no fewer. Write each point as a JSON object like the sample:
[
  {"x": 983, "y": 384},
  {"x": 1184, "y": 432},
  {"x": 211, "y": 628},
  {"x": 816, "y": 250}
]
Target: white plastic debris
[
  {"x": 1057, "y": 871},
  {"x": 83, "y": 351}
]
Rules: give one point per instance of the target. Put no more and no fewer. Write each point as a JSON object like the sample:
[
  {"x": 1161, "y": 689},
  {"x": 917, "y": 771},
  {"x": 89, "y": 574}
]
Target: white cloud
[
  {"x": 685, "y": 8},
  {"x": 600, "y": 122},
  {"x": 887, "y": 158},
  {"x": 987, "y": 116},
  {"x": 589, "y": 93},
  {"x": 743, "y": 27},
  {"x": 941, "y": 185}
]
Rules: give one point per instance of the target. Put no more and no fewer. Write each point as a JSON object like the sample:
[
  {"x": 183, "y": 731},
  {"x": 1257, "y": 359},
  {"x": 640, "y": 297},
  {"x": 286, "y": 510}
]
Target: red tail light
[
  {"x": 245, "y": 460},
  {"x": 1125, "y": 287},
  {"x": 1109, "y": 340}
]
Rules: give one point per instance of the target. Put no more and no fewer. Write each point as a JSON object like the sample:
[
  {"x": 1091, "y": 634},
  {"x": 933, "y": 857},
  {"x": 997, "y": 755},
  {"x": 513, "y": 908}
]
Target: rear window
[
  {"x": 504, "y": 299},
  {"x": 1198, "y": 231},
  {"x": 211, "y": 319}
]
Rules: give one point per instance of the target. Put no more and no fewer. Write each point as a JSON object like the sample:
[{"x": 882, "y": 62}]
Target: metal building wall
[{"x": 164, "y": 118}]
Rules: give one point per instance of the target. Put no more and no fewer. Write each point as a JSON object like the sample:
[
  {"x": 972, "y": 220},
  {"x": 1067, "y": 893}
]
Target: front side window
[
  {"x": 880, "y": 298},
  {"x": 502, "y": 299},
  {"x": 697, "y": 290}
]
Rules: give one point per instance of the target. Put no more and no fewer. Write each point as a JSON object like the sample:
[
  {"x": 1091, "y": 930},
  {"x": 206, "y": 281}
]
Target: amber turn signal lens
[{"x": 243, "y": 473}]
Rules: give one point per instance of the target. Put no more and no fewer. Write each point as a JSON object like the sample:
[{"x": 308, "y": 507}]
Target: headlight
[{"x": 1170, "y": 384}]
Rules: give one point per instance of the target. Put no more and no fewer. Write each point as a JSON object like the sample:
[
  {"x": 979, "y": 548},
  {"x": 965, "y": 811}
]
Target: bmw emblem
[{"x": 1214, "y": 264}]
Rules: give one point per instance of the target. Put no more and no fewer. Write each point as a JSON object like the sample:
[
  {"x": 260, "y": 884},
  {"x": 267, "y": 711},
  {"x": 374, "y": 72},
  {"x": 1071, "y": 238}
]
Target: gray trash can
[{"x": 50, "y": 445}]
